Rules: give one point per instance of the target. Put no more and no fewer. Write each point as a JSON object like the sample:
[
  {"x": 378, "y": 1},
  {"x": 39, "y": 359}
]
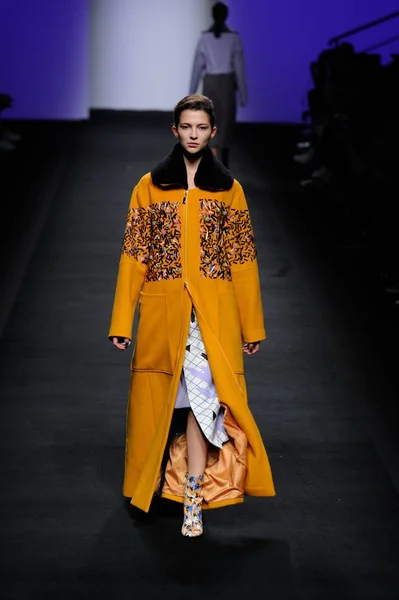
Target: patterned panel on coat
[
  {"x": 241, "y": 242},
  {"x": 137, "y": 237},
  {"x": 165, "y": 258},
  {"x": 153, "y": 236},
  {"x": 226, "y": 238},
  {"x": 213, "y": 260}
]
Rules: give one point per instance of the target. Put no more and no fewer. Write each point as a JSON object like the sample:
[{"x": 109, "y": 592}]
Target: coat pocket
[
  {"x": 151, "y": 352},
  {"x": 230, "y": 331}
]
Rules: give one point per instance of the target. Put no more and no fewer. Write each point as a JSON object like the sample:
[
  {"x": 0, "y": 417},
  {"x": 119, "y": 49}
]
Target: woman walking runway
[{"x": 189, "y": 260}]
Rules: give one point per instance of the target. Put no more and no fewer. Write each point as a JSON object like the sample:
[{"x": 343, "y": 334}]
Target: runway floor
[{"x": 332, "y": 531}]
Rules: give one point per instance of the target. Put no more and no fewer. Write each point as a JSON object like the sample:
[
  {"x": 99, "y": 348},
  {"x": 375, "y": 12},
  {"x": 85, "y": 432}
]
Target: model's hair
[
  {"x": 194, "y": 102},
  {"x": 220, "y": 12}
]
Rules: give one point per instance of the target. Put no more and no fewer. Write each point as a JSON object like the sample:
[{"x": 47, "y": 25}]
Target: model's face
[{"x": 194, "y": 130}]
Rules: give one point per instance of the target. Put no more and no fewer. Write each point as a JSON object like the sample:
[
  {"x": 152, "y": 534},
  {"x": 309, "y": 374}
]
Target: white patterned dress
[{"x": 197, "y": 389}]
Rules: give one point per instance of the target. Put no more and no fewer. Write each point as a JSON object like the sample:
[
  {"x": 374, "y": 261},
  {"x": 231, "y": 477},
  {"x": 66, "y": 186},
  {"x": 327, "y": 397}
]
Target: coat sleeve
[
  {"x": 239, "y": 70},
  {"x": 241, "y": 252},
  {"x": 198, "y": 66},
  {"x": 133, "y": 263}
]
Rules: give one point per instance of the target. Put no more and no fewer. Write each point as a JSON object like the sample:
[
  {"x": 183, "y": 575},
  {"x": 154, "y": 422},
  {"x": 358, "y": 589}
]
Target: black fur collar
[{"x": 211, "y": 174}]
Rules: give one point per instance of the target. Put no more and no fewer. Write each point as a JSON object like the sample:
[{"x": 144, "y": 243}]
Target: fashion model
[
  {"x": 189, "y": 262},
  {"x": 219, "y": 60}
]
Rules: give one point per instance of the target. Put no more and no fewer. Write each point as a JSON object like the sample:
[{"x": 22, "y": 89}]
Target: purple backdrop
[
  {"x": 44, "y": 46},
  {"x": 282, "y": 38},
  {"x": 45, "y": 58}
]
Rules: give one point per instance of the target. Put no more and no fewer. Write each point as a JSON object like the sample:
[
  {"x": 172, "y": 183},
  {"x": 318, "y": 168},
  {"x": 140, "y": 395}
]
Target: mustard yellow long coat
[{"x": 182, "y": 248}]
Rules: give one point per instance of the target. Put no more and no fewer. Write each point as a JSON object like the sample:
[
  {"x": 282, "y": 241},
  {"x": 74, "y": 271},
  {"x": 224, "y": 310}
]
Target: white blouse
[{"x": 216, "y": 56}]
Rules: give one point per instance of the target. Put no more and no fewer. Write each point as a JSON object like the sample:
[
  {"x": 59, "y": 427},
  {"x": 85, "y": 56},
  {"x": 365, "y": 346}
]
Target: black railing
[
  {"x": 346, "y": 34},
  {"x": 394, "y": 38}
]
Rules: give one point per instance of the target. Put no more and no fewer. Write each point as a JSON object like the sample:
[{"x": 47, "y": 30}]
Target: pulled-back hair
[
  {"x": 220, "y": 12},
  {"x": 194, "y": 102}
]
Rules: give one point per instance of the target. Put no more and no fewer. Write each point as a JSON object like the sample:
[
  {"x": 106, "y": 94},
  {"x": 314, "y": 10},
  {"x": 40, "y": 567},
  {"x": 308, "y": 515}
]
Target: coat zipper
[
  {"x": 185, "y": 203},
  {"x": 185, "y": 237}
]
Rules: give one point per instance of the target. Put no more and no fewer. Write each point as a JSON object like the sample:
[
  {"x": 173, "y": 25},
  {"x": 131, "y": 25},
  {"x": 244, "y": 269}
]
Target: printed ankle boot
[{"x": 192, "y": 523}]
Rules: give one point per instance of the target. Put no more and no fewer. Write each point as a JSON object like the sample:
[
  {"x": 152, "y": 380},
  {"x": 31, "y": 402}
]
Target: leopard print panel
[
  {"x": 241, "y": 246},
  {"x": 153, "y": 237},
  {"x": 226, "y": 238},
  {"x": 137, "y": 237},
  {"x": 213, "y": 224}
]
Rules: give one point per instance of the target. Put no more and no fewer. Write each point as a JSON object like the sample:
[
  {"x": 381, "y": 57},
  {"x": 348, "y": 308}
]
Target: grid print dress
[{"x": 197, "y": 389}]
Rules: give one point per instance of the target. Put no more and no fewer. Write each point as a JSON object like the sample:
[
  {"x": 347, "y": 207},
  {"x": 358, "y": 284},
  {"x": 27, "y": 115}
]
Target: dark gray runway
[{"x": 333, "y": 529}]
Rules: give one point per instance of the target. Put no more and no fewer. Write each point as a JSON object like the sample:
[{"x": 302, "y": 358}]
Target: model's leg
[
  {"x": 197, "y": 447},
  {"x": 197, "y": 452}
]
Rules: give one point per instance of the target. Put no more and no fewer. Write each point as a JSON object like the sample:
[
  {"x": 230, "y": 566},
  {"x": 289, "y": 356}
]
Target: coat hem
[
  {"x": 260, "y": 492},
  {"x": 205, "y": 506}
]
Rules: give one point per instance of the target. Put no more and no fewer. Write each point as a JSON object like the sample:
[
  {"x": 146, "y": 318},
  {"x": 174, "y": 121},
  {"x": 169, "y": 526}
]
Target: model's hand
[
  {"x": 121, "y": 345},
  {"x": 250, "y": 347}
]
